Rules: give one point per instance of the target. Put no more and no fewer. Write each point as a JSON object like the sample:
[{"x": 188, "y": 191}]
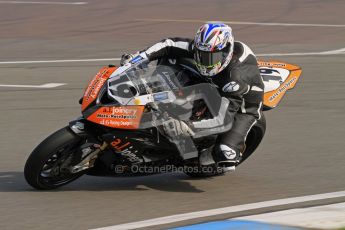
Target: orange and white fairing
[
  {"x": 122, "y": 116},
  {"x": 278, "y": 77},
  {"x": 95, "y": 85}
]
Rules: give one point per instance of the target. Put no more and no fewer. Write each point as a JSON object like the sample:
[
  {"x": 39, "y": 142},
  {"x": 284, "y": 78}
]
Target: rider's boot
[
  {"x": 226, "y": 157},
  {"x": 206, "y": 157},
  {"x": 222, "y": 155}
]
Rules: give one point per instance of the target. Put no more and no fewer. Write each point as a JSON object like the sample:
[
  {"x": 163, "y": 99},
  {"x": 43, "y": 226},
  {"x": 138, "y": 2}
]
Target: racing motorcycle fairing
[
  {"x": 278, "y": 77},
  {"x": 138, "y": 97},
  {"x": 95, "y": 85},
  {"x": 145, "y": 96}
]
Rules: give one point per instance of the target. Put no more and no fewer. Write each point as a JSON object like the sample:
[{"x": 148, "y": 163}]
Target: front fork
[{"x": 80, "y": 161}]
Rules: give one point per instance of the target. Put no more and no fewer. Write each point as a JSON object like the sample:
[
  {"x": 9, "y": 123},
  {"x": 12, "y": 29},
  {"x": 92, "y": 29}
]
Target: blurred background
[{"x": 301, "y": 154}]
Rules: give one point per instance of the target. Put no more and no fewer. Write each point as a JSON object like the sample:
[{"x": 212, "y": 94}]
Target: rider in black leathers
[{"x": 232, "y": 67}]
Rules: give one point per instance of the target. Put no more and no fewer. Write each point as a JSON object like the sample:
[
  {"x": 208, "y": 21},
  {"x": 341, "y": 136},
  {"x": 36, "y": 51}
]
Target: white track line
[
  {"x": 44, "y": 86},
  {"x": 43, "y": 3},
  {"x": 330, "y": 52},
  {"x": 244, "y": 23},
  {"x": 319, "y": 217},
  {"x": 220, "y": 211},
  {"x": 6, "y": 176},
  {"x": 60, "y": 61}
]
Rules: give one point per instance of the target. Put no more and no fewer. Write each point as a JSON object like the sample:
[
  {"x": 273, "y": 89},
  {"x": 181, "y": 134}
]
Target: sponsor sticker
[
  {"x": 136, "y": 59},
  {"x": 270, "y": 64},
  {"x": 126, "y": 149},
  {"x": 282, "y": 89},
  {"x": 125, "y": 117},
  {"x": 160, "y": 96},
  {"x": 231, "y": 87},
  {"x": 95, "y": 86}
]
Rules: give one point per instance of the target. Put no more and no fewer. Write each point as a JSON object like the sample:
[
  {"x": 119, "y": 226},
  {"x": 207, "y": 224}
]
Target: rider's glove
[
  {"x": 137, "y": 57},
  {"x": 173, "y": 128},
  {"x": 125, "y": 58}
]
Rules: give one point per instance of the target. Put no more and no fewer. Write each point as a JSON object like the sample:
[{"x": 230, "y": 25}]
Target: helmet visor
[{"x": 210, "y": 59}]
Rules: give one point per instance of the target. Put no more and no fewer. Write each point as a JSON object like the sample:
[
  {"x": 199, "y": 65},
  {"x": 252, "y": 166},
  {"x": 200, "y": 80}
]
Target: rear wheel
[
  {"x": 254, "y": 138},
  {"x": 48, "y": 165}
]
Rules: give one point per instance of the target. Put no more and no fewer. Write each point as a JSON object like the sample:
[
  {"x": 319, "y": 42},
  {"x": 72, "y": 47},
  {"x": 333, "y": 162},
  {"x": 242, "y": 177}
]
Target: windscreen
[
  {"x": 145, "y": 79},
  {"x": 166, "y": 99}
]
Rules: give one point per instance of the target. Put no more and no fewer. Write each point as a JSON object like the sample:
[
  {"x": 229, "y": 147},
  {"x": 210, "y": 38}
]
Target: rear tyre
[
  {"x": 48, "y": 165},
  {"x": 254, "y": 138}
]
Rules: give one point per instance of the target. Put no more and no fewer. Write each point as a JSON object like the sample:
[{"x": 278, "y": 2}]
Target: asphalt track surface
[{"x": 302, "y": 152}]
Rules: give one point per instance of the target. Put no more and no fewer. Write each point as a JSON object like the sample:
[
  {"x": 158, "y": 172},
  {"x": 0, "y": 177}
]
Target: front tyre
[{"x": 48, "y": 165}]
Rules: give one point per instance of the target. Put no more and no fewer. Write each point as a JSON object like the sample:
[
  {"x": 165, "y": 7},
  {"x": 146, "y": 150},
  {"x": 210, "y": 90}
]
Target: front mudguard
[
  {"x": 78, "y": 127},
  {"x": 86, "y": 129}
]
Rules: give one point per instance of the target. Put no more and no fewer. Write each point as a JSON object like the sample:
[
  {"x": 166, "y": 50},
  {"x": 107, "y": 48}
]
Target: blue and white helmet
[{"x": 214, "y": 45}]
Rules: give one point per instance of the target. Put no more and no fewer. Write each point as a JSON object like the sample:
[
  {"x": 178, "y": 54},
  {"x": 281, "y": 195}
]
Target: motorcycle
[{"x": 123, "y": 111}]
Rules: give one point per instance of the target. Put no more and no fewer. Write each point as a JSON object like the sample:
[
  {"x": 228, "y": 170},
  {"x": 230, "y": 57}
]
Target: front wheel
[{"x": 48, "y": 165}]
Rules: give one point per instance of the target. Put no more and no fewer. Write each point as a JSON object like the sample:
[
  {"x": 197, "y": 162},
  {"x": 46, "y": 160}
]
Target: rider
[{"x": 230, "y": 65}]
